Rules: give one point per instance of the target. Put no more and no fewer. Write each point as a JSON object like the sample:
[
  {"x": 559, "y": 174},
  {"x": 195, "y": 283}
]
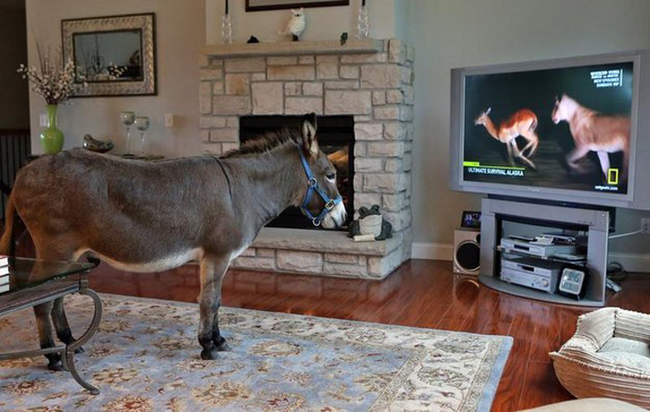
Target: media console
[{"x": 505, "y": 219}]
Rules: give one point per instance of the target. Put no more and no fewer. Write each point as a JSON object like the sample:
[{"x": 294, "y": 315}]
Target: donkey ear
[
  {"x": 488, "y": 110},
  {"x": 309, "y": 127}
]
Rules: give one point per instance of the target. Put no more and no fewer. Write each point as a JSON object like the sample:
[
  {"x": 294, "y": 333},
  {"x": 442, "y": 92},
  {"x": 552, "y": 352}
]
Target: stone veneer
[{"x": 369, "y": 79}]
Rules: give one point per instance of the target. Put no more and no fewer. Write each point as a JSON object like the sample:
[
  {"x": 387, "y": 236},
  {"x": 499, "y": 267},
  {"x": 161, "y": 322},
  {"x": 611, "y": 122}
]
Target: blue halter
[{"x": 330, "y": 203}]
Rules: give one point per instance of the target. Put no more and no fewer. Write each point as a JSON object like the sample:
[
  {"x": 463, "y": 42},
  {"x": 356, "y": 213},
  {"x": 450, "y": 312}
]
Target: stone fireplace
[{"x": 371, "y": 81}]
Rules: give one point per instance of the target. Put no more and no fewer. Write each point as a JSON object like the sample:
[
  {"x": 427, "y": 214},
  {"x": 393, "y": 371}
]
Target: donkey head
[
  {"x": 483, "y": 117},
  {"x": 321, "y": 201}
]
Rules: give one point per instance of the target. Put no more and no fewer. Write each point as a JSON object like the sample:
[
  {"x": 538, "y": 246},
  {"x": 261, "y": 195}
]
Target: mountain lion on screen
[{"x": 593, "y": 131}]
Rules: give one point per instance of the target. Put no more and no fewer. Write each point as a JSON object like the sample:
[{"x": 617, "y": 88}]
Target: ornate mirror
[{"x": 113, "y": 56}]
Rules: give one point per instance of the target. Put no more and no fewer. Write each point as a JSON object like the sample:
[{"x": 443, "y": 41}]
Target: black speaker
[{"x": 467, "y": 251}]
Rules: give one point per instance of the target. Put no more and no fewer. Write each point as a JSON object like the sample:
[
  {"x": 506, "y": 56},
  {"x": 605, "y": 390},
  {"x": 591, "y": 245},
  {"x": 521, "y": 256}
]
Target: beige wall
[
  {"x": 448, "y": 34},
  {"x": 180, "y": 36},
  {"x": 323, "y": 23},
  {"x": 14, "y": 104}
]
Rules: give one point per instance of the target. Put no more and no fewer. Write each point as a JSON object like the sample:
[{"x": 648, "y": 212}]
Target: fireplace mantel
[{"x": 298, "y": 48}]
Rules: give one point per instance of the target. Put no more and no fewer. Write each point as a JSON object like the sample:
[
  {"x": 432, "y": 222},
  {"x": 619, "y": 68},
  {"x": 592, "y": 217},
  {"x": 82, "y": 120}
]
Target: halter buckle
[
  {"x": 330, "y": 205},
  {"x": 316, "y": 221},
  {"x": 312, "y": 182}
]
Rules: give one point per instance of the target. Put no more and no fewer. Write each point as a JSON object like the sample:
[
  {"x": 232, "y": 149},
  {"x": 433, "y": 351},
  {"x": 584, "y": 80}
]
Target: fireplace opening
[{"x": 336, "y": 139}]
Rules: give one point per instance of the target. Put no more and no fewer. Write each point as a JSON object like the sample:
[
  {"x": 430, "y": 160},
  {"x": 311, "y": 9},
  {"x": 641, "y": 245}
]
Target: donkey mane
[{"x": 267, "y": 142}]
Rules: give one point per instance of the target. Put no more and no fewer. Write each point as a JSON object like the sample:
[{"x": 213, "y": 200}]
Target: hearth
[{"x": 336, "y": 139}]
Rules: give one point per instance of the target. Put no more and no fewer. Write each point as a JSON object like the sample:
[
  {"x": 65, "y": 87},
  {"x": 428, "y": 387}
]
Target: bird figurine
[
  {"x": 95, "y": 145},
  {"x": 344, "y": 38},
  {"x": 297, "y": 24}
]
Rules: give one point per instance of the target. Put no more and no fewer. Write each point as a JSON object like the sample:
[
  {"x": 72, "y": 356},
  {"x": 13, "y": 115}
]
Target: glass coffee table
[{"x": 33, "y": 282}]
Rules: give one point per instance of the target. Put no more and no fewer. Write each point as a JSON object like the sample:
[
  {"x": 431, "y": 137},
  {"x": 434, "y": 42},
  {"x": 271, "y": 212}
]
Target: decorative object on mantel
[
  {"x": 371, "y": 225},
  {"x": 253, "y": 40},
  {"x": 344, "y": 38},
  {"x": 53, "y": 81},
  {"x": 296, "y": 25},
  {"x": 115, "y": 55},
  {"x": 226, "y": 26},
  {"x": 363, "y": 23},
  {"x": 98, "y": 146},
  {"x": 264, "y": 5}
]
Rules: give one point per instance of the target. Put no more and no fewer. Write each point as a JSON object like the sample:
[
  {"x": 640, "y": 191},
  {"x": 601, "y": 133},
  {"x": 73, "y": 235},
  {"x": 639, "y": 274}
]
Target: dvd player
[{"x": 535, "y": 248}]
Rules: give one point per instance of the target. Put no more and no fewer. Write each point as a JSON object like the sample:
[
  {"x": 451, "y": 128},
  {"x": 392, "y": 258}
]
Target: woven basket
[{"x": 586, "y": 373}]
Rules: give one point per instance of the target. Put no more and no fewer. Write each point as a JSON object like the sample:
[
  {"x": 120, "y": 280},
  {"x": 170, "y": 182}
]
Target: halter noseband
[{"x": 330, "y": 203}]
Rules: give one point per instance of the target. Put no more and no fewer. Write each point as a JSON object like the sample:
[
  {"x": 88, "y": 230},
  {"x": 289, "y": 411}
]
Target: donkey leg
[
  {"x": 53, "y": 249},
  {"x": 42, "y": 314},
  {"x": 219, "y": 341},
  {"x": 60, "y": 320},
  {"x": 212, "y": 271}
]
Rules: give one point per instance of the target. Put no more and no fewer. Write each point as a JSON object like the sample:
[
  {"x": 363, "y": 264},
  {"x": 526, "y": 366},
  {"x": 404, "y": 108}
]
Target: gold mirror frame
[{"x": 145, "y": 23}]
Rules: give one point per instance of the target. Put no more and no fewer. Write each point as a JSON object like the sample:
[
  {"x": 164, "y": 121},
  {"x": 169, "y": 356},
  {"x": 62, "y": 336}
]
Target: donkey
[
  {"x": 593, "y": 131},
  {"x": 152, "y": 216}
]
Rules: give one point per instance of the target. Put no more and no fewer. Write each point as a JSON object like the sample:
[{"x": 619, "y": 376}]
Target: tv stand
[{"x": 502, "y": 217}]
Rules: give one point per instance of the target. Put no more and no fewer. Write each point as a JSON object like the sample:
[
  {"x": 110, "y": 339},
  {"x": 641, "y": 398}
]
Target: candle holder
[
  {"x": 363, "y": 23},
  {"x": 226, "y": 29}
]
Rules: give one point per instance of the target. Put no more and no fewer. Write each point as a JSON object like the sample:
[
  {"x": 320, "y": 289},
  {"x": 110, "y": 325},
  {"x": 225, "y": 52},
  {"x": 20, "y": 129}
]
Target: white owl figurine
[{"x": 297, "y": 24}]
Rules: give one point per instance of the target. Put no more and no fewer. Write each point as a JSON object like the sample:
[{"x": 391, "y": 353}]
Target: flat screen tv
[{"x": 574, "y": 130}]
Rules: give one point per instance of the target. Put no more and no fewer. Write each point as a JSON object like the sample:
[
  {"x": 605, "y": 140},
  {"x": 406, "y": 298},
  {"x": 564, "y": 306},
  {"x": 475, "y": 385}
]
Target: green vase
[{"x": 52, "y": 138}]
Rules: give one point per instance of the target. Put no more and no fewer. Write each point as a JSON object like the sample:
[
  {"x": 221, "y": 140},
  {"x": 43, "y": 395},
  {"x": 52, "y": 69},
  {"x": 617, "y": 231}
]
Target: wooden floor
[{"x": 420, "y": 293}]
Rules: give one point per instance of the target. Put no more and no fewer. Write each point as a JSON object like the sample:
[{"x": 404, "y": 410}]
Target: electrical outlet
[
  {"x": 169, "y": 120},
  {"x": 645, "y": 225}
]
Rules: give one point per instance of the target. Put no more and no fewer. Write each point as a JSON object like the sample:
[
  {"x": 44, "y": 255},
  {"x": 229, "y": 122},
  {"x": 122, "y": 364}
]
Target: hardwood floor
[{"x": 420, "y": 293}]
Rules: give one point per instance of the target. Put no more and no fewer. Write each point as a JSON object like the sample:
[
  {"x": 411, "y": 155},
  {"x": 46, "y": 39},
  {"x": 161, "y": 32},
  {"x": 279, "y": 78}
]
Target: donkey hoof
[
  {"x": 55, "y": 366},
  {"x": 221, "y": 345},
  {"x": 209, "y": 354}
]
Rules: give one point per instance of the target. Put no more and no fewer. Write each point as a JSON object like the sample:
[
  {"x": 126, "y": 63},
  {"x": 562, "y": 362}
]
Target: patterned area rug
[{"x": 145, "y": 358}]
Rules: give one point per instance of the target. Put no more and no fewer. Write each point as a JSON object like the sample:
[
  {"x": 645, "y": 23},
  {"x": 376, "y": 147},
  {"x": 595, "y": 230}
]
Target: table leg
[{"x": 68, "y": 353}]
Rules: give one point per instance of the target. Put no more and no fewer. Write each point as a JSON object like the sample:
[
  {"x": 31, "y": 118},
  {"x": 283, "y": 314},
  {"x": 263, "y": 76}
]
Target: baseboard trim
[
  {"x": 432, "y": 251},
  {"x": 632, "y": 262}
]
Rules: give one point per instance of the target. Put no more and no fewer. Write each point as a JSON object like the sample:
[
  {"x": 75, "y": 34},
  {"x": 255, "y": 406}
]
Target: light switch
[{"x": 43, "y": 120}]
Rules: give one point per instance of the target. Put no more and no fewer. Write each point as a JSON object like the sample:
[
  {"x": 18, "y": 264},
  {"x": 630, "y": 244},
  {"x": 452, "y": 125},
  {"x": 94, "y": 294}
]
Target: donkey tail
[{"x": 7, "y": 246}]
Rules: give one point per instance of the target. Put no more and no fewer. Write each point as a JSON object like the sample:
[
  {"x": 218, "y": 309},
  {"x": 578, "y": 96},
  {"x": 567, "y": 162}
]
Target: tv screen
[{"x": 555, "y": 128}]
